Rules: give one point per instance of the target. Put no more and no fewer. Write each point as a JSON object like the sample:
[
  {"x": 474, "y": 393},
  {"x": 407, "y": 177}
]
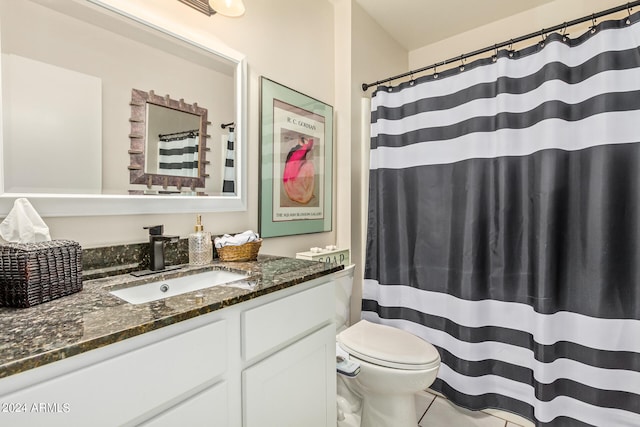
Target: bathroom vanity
[{"x": 258, "y": 355}]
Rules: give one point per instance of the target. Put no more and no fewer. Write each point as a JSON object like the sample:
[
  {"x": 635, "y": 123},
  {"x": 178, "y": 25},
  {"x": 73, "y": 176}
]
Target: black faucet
[{"x": 156, "y": 246}]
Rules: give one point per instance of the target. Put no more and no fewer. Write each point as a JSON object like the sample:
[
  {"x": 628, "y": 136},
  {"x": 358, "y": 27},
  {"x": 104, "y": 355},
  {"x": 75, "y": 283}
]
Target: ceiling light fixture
[{"x": 231, "y": 8}]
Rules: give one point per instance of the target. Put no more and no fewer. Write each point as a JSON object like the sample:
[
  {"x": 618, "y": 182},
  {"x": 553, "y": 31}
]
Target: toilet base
[
  {"x": 379, "y": 411},
  {"x": 373, "y": 410},
  {"x": 389, "y": 411}
]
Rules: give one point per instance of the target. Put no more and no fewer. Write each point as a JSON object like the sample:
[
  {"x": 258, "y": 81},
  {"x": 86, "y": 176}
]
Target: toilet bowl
[{"x": 394, "y": 365}]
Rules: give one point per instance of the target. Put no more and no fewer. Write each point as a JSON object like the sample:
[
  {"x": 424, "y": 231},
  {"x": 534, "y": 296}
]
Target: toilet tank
[{"x": 343, "y": 285}]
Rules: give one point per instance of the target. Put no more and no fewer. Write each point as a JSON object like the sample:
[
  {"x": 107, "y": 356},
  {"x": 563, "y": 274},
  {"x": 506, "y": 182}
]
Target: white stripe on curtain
[
  {"x": 545, "y": 329},
  {"x": 504, "y": 227},
  {"x": 554, "y": 133}
]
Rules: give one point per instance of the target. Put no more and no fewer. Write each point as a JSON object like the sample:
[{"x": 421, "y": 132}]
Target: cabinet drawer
[
  {"x": 269, "y": 326},
  {"x": 124, "y": 388}
]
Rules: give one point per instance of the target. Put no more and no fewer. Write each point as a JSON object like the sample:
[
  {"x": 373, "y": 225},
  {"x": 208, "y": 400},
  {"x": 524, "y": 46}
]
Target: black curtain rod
[
  {"x": 196, "y": 131},
  {"x": 497, "y": 46}
]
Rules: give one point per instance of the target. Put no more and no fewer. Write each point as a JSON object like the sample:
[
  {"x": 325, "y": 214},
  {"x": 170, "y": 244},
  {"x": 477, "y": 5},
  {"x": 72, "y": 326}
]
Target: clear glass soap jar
[{"x": 200, "y": 245}]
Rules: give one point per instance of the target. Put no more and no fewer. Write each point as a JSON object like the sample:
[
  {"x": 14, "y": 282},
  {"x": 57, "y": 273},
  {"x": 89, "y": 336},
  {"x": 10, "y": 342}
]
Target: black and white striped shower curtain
[
  {"x": 504, "y": 226},
  {"x": 178, "y": 155},
  {"x": 229, "y": 180}
]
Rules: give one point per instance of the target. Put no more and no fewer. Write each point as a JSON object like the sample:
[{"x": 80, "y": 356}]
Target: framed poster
[{"x": 296, "y": 162}]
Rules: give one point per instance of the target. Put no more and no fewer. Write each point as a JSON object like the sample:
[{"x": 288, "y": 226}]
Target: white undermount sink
[{"x": 180, "y": 285}]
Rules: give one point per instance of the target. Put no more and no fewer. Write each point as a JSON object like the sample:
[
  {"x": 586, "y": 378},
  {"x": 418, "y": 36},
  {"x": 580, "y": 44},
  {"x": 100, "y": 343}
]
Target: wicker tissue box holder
[
  {"x": 33, "y": 273},
  {"x": 246, "y": 252}
]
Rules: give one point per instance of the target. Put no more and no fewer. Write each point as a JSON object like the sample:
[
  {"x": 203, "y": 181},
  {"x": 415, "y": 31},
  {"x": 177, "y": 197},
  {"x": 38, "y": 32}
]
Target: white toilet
[{"x": 394, "y": 365}]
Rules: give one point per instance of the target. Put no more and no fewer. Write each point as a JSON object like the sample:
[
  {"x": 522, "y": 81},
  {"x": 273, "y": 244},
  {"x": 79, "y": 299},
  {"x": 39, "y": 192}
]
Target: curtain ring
[
  {"x": 542, "y": 36},
  {"x": 461, "y": 62},
  {"x": 435, "y": 71},
  {"x": 593, "y": 23},
  {"x": 628, "y": 21},
  {"x": 565, "y": 35},
  {"x": 510, "y": 49},
  {"x": 494, "y": 57},
  {"x": 412, "y": 82}
]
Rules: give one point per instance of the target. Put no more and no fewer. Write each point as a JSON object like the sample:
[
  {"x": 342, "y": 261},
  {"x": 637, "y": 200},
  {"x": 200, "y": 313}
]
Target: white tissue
[
  {"x": 237, "y": 240},
  {"x": 23, "y": 224}
]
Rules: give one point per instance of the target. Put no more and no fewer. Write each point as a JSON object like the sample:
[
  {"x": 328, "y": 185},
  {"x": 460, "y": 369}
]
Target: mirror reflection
[
  {"x": 168, "y": 145},
  {"x": 66, "y": 129},
  {"x": 172, "y": 146}
]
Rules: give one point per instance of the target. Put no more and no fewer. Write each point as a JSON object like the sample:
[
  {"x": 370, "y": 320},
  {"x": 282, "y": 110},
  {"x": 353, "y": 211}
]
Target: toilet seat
[{"x": 387, "y": 346}]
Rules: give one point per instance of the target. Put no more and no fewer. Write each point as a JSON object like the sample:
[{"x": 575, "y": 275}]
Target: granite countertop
[{"x": 93, "y": 318}]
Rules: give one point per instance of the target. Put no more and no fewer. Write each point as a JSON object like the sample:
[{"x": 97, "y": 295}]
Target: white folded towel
[{"x": 237, "y": 240}]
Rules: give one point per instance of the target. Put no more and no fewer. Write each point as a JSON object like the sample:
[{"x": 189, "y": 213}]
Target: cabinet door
[{"x": 294, "y": 387}]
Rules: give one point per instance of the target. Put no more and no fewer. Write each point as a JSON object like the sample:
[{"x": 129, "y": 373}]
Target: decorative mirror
[{"x": 168, "y": 144}]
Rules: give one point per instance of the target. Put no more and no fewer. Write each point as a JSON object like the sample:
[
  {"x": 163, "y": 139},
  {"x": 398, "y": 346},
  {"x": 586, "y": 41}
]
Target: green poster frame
[{"x": 289, "y": 120}]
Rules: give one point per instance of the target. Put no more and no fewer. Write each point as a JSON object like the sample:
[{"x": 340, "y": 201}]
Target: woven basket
[
  {"x": 33, "y": 273},
  {"x": 246, "y": 252}
]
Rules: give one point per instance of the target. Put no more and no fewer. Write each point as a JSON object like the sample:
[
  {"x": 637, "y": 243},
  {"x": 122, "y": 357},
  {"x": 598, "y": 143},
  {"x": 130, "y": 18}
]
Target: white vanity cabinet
[
  {"x": 296, "y": 385},
  {"x": 123, "y": 383},
  {"x": 269, "y": 361}
]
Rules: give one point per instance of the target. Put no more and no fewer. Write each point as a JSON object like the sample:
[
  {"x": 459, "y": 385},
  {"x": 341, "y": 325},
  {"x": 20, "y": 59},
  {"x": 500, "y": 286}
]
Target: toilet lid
[{"x": 387, "y": 346}]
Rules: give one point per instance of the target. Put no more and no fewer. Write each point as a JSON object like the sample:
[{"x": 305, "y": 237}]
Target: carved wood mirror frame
[{"x": 138, "y": 136}]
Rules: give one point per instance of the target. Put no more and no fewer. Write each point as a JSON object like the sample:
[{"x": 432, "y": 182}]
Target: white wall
[
  {"x": 530, "y": 21},
  {"x": 374, "y": 55},
  {"x": 288, "y": 41}
]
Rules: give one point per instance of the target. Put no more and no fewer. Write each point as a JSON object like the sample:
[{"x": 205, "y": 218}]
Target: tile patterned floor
[{"x": 436, "y": 411}]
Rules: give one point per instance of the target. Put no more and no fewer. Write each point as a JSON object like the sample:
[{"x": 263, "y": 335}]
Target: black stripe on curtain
[
  {"x": 178, "y": 165},
  {"x": 578, "y": 208},
  {"x": 178, "y": 151},
  {"x": 500, "y": 401}
]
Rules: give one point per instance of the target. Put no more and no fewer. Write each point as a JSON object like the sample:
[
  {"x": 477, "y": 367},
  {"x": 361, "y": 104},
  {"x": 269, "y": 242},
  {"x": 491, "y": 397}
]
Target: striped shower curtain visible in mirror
[
  {"x": 178, "y": 155},
  {"x": 229, "y": 180},
  {"x": 504, "y": 226}
]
